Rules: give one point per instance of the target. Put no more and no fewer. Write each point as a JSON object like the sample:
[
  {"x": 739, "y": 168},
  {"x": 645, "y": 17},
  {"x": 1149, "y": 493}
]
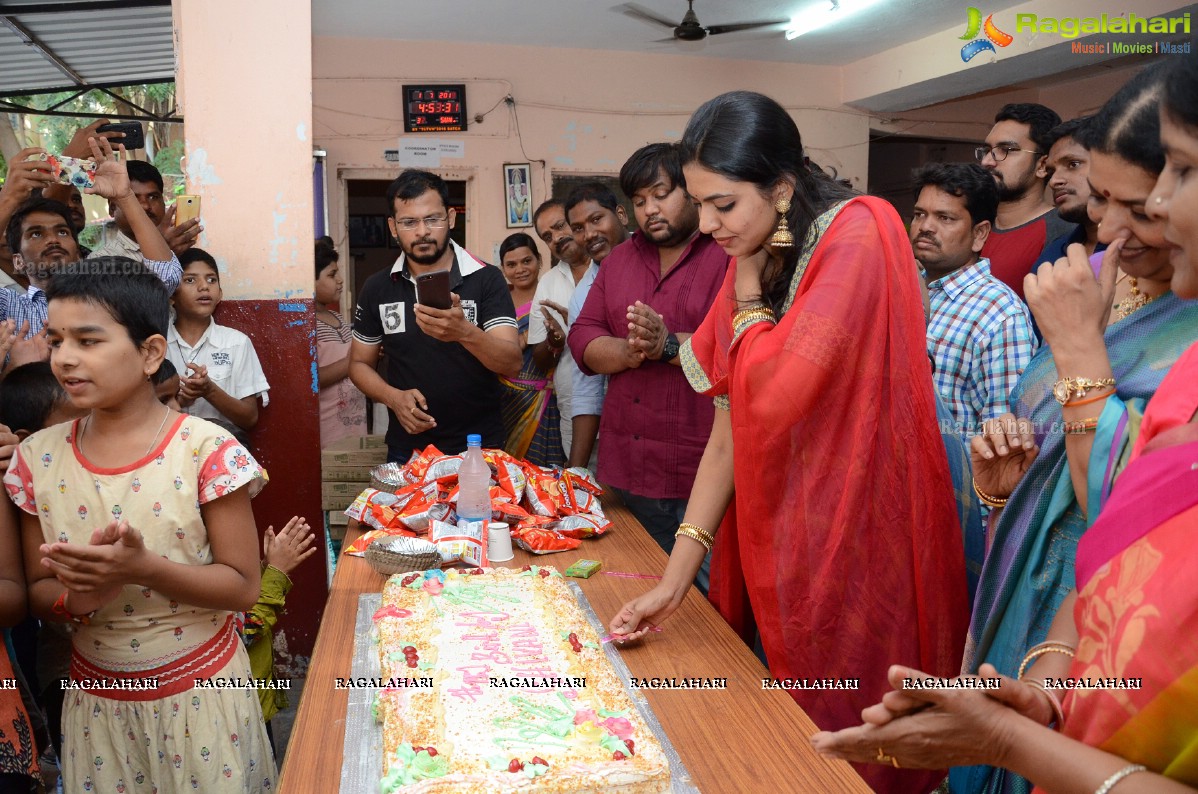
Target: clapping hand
[
  {"x": 1002, "y": 454},
  {"x": 646, "y": 331},
  {"x": 95, "y": 573},
  {"x": 291, "y": 546},
  {"x": 194, "y": 385},
  {"x": 935, "y": 728},
  {"x": 554, "y": 332}
]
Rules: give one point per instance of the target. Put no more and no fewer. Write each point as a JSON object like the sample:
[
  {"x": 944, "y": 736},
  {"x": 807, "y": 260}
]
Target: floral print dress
[{"x": 174, "y": 736}]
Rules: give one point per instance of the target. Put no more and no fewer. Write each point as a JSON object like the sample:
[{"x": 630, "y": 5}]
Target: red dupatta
[{"x": 843, "y": 542}]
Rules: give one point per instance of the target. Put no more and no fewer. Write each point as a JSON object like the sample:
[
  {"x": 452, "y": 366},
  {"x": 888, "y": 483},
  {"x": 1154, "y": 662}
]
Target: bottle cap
[{"x": 474, "y": 440}]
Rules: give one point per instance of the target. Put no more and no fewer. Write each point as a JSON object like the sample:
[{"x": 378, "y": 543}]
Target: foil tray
[{"x": 362, "y": 759}]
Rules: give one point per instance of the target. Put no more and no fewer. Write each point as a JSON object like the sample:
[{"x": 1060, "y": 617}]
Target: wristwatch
[
  {"x": 669, "y": 351},
  {"x": 1067, "y": 388}
]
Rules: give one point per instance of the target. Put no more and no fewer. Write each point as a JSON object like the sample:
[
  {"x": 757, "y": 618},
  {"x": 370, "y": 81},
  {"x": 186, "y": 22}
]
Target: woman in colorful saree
[
  {"x": 530, "y": 416},
  {"x": 842, "y": 548},
  {"x": 1131, "y": 626}
]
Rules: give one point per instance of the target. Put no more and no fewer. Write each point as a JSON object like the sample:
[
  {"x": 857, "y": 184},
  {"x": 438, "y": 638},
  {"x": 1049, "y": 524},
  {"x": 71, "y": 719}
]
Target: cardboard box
[
  {"x": 346, "y": 474},
  {"x": 357, "y": 451},
  {"x": 339, "y": 495},
  {"x": 348, "y": 489},
  {"x": 338, "y": 518}
]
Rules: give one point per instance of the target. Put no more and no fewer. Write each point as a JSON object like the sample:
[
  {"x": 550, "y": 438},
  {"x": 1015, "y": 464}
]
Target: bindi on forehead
[{"x": 1106, "y": 193}]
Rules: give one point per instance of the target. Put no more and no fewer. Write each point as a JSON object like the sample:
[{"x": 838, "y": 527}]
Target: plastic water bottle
[{"x": 474, "y": 483}]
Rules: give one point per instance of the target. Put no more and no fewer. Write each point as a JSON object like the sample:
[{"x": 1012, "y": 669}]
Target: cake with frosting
[{"x": 497, "y": 682}]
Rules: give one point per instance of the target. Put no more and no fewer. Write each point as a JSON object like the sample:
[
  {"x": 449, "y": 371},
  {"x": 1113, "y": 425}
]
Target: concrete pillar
[{"x": 244, "y": 77}]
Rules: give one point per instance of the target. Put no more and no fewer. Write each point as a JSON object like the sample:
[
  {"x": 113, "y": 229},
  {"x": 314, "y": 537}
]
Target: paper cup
[{"x": 499, "y": 542}]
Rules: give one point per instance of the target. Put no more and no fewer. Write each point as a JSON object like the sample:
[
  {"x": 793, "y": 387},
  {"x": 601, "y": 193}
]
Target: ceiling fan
[{"x": 689, "y": 29}]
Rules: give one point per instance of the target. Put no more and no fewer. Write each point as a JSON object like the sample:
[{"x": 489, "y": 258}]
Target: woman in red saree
[
  {"x": 1133, "y": 620},
  {"x": 840, "y": 544}
]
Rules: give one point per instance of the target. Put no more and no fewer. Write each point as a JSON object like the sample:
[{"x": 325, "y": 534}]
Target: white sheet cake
[{"x": 522, "y": 696}]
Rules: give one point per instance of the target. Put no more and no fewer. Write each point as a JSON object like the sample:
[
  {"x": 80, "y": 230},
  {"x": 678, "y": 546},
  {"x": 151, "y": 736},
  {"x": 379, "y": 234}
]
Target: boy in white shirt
[{"x": 221, "y": 378}]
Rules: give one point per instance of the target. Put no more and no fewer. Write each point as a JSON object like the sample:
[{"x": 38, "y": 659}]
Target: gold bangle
[
  {"x": 1040, "y": 650},
  {"x": 1053, "y": 702},
  {"x": 1066, "y": 388},
  {"x": 987, "y": 499},
  {"x": 709, "y": 535},
  {"x": 1081, "y": 426},
  {"x": 746, "y": 317},
  {"x": 685, "y": 531}
]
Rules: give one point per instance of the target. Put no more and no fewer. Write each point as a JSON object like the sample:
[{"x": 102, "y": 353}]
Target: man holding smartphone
[{"x": 440, "y": 381}]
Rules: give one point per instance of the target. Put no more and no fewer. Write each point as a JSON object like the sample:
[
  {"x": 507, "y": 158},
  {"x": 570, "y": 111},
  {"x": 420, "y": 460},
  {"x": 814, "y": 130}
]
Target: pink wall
[{"x": 582, "y": 111}]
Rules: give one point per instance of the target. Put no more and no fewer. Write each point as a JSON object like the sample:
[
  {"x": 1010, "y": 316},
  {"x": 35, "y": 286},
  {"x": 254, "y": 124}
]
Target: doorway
[{"x": 371, "y": 246}]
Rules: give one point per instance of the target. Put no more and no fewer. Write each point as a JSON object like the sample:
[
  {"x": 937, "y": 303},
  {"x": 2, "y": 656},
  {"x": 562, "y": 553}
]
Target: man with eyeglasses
[
  {"x": 1015, "y": 153},
  {"x": 440, "y": 382}
]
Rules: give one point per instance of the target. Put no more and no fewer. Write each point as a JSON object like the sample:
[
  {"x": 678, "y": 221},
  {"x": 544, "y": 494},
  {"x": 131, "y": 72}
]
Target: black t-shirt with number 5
[{"x": 463, "y": 395}]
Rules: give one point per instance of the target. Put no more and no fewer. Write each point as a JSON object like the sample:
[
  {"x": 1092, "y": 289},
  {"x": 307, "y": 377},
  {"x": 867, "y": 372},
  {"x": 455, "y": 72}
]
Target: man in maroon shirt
[
  {"x": 654, "y": 427},
  {"x": 1015, "y": 154}
]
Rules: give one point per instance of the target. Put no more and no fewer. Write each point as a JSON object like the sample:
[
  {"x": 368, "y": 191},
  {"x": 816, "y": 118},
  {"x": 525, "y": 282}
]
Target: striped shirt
[
  {"x": 980, "y": 339},
  {"x": 30, "y": 306}
]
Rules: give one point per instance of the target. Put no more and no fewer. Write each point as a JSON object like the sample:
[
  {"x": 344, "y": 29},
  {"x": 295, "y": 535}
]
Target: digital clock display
[{"x": 434, "y": 108}]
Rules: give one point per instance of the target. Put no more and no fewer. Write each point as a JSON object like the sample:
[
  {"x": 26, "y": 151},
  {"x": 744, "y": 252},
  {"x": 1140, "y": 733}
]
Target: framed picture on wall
[{"x": 517, "y": 191}]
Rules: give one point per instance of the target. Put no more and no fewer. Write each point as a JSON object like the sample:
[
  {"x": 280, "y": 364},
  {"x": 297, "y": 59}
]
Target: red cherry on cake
[
  {"x": 432, "y": 751},
  {"x": 543, "y": 573},
  {"x": 408, "y": 649},
  {"x": 416, "y": 748},
  {"x": 412, "y": 662},
  {"x": 618, "y": 756},
  {"x": 536, "y": 759},
  {"x": 407, "y": 580},
  {"x": 514, "y": 765},
  {"x": 526, "y": 568},
  {"x": 631, "y": 746}
]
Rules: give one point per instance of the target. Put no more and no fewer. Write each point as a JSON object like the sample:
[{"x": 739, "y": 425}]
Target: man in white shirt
[{"x": 549, "y": 319}]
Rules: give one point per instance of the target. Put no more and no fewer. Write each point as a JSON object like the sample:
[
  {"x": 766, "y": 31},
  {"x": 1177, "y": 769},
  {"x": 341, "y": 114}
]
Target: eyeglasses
[
  {"x": 432, "y": 222},
  {"x": 999, "y": 153}
]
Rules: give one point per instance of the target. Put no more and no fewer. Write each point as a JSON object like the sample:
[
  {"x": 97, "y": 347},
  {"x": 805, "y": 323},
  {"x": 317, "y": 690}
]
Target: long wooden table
[{"x": 743, "y": 738}]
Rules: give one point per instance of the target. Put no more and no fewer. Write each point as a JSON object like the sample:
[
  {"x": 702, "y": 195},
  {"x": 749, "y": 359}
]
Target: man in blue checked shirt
[
  {"x": 42, "y": 235},
  {"x": 979, "y": 332}
]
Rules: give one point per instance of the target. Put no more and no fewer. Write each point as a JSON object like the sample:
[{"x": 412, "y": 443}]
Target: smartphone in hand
[
  {"x": 134, "y": 137},
  {"x": 432, "y": 290},
  {"x": 187, "y": 208}
]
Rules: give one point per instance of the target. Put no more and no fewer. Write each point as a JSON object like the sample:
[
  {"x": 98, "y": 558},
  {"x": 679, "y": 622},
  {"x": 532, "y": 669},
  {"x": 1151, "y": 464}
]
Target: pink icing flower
[
  {"x": 621, "y": 727},
  {"x": 585, "y": 715},
  {"x": 433, "y": 586}
]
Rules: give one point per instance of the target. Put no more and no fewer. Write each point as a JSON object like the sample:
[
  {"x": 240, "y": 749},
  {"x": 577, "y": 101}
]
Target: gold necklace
[
  {"x": 1135, "y": 301},
  {"x": 87, "y": 423}
]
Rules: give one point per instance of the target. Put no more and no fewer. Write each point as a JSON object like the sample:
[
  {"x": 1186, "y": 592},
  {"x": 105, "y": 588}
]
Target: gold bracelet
[
  {"x": 1081, "y": 426},
  {"x": 987, "y": 499},
  {"x": 709, "y": 535},
  {"x": 693, "y": 535},
  {"x": 746, "y": 317},
  {"x": 1053, "y": 702},
  {"x": 1040, "y": 650},
  {"x": 1066, "y": 388}
]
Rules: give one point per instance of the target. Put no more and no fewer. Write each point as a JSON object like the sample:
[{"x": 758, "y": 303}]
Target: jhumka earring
[{"x": 782, "y": 238}]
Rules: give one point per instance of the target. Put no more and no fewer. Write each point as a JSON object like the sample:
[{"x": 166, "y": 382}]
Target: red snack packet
[
  {"x": 582, "y": 478},
  {"x": 508, "y": 472},
  {"x": 418, "y": 464},
  {"x": 443, "y": 468},
  {"x": 581, "y": 526},
  {"x": 539, "y": 498},
  {"x": 539, "y": 540},
  {"x": 358, "y": 547}
]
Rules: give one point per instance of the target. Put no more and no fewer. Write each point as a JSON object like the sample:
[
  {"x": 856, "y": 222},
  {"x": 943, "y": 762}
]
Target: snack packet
[
  {"x": 581, "y": 526},
  {"x": 540, "y": 540},
  {"x": 466, "y": 543}
]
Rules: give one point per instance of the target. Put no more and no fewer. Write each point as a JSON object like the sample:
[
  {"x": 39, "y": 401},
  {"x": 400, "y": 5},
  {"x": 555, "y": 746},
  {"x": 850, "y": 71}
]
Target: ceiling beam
[
  {"x": 33, "y": 41},
  {"x": 77, "y": 7}
]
